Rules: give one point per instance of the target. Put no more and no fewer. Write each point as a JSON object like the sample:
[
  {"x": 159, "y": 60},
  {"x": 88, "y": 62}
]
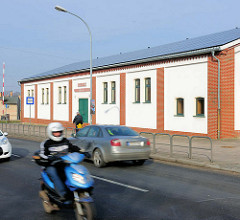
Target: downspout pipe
[{"x": 219, "y": 97}]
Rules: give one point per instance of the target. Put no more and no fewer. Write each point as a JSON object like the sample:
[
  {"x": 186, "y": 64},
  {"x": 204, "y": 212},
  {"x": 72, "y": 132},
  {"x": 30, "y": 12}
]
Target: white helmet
[{"x": 54, "y": 127}]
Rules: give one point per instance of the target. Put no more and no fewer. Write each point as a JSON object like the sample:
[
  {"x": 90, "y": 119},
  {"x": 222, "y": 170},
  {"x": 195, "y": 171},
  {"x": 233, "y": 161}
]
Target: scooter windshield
[{"x": 73, "y": 157}]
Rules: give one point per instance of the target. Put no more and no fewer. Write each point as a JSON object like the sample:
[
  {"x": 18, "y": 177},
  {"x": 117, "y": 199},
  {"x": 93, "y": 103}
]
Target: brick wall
[
  {"x": 122, "y": 98},
  {"x": 227, "y": 93},
  {"x": 94, "y": 97},
  {"x": 70, "y": 101},
  {"x": 160, "y": 100},
  {"x": 212, "y": 97}
]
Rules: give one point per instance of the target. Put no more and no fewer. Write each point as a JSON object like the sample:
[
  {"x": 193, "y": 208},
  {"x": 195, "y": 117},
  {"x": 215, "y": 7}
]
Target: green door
[{"x": 83, "y": 109}]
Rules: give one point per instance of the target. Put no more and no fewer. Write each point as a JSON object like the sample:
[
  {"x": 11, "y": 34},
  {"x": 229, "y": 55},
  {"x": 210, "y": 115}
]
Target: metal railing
[
  {"x": 173, "y": 145},
  {"x": 31, "y": 130},
  {"x": 181, "y": 146},
  {"x": 161, "y": 143},
  {"x": 201, "y": 148}
]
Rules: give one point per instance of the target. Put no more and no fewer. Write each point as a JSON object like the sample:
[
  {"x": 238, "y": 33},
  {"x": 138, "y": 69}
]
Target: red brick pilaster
[
  {"x": 36, "y": 101},
  {"x": 160, "y": 100},
  {"x": 227, "y": 93},
  {"x": 123, "y": 99},
  {"x": 212, "y": 97},
  {"x": 51, "y": 101},
  {"x": 22, "y": 102},
  {"x": 70, "y": 101},
  {"x": 94, "y": 98}
]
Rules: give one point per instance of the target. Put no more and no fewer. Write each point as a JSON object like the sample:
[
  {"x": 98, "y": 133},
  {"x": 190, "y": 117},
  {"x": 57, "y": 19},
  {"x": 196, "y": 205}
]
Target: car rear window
[{"x": 121, "y": 131}]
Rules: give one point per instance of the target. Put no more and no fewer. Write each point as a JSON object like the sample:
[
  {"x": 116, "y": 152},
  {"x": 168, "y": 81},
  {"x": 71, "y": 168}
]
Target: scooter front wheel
[{"x": 84, "y": 210}]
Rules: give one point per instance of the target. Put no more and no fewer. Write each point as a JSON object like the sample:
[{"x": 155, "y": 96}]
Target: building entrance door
[{"x": 83, "y": 109}]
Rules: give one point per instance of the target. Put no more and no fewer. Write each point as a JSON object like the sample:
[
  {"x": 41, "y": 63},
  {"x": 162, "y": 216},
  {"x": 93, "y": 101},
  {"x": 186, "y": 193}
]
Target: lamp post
[{"x": 59, "y": 8}]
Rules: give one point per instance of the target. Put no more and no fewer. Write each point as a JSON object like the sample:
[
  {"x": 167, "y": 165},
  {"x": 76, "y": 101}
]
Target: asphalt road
[{"x": 124, "y": 191}]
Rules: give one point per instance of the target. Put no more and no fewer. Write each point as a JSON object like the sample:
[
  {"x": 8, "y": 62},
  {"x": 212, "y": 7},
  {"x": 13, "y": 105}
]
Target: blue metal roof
[{"x": 194, "y": 44}]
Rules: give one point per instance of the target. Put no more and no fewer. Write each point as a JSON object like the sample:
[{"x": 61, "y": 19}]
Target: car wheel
[
  {"x": 98, "y": 159},
  {"x": 139, "y": 162}
]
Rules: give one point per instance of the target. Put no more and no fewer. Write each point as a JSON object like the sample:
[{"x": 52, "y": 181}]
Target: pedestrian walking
[{"x": 78, "y": 121}]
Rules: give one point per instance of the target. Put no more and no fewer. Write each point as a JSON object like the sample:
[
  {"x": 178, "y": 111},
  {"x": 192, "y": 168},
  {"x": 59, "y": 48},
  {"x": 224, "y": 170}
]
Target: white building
[{"x": 188, "y": 87}]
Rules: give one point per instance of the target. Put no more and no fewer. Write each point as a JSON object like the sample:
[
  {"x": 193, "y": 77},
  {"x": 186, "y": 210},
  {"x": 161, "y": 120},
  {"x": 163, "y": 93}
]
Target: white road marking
[
  {"x": 121, "y": 184},
  {"x": 15, "y": 155},
  {"x": 214, "y": 199}
]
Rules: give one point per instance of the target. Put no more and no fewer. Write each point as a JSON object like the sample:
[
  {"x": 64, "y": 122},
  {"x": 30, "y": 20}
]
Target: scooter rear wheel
[{"x": 88, "y": 211}]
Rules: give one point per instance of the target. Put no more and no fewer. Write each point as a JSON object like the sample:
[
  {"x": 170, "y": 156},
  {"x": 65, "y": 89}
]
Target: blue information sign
[{"x": 30, "y": 100}]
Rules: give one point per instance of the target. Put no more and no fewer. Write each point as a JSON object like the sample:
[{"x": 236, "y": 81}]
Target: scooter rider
[{"x": 49, "y": 151}]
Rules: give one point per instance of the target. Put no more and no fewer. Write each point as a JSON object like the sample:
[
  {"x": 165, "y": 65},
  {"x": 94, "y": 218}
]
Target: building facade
[
  {"x": 10, "y": 111},
  {"x": 190, "y": 87}
]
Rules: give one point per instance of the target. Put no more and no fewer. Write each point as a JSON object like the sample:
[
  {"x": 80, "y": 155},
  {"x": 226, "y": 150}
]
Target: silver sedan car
[{"x": 108, "y": 143}]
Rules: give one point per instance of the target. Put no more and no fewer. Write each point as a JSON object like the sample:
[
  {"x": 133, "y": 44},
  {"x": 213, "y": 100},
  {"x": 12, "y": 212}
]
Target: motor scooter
[{"x": 78, "y": 182}]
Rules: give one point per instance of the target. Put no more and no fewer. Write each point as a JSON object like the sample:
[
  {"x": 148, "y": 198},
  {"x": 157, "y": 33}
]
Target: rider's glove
[{"x": 52, "y": 158}]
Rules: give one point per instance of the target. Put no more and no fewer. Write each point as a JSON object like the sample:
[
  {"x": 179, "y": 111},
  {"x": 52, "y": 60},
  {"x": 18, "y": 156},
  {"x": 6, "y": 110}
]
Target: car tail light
[
  {"x": 148, "y": 143},
  {"x": 115, "y": 142}
]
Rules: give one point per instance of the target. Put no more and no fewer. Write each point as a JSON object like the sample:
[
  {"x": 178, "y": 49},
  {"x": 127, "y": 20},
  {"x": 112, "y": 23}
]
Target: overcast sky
[{"x": 36, "y": 38}]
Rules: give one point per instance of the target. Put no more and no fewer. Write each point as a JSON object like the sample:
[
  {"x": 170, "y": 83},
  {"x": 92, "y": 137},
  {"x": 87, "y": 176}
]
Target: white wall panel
[
  {"x": 79, "y": 85},
  {"x": 29, "y": 110},
  {"x": 43, "y": 108},
  {"x": 107, "y": 113},
  {"x": 187, "y": 82},
  {"x": 141, "y": 114},
  {"x": 60, "y": 110}
]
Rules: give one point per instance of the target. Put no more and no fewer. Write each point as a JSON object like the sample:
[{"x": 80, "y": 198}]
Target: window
[
  {"x": 64, "y": 94},
  {"x": 93, "y": 132},
  {"x": 59, "y": 95},
  {"x": 180, "y": 106},
  {"x": 83, "y": 132},
  {"x": 121, "y": 131},
  {"x": 42, "y": 95},
  {"x": 32, "y": 92},
  {"x": 28, "y": 93},
  {"x": 105, "y": 92},
  {"x": 47, "y": 99},
  {"x": 137, "y": 90},
  {"x": 200, "y": 106},
  {"x": 113, "y": 92},
  {"x": 148, "y": 90}
]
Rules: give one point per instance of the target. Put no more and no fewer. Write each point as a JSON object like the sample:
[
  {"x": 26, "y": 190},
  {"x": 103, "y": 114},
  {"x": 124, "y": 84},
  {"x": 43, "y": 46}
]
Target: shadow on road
[{"x": 19, "y": 153}]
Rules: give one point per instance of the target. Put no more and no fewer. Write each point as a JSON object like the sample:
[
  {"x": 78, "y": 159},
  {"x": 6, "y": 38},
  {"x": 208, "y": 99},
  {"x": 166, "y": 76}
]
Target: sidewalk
[{"x": 226, "y": 154}]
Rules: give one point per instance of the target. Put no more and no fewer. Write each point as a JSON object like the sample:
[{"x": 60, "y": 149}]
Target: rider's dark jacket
[{"x": 50, "y": 149}]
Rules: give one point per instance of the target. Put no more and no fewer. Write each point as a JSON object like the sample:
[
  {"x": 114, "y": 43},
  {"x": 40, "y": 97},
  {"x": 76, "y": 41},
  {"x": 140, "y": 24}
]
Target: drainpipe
[{"x": 219, "y": 99}]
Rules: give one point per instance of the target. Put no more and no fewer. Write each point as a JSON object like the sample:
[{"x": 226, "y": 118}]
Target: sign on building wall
[
  {"x": 30, "y": 100},
  {"x": 92, "y": 107},
  {"x": 82, "y": 88}
]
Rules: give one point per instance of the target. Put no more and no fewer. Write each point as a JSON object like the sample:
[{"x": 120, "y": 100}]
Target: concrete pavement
[{"x": 226, "y": 153}]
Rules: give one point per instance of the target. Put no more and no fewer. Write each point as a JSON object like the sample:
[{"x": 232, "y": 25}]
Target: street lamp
[{"x": 59, "y": 8}]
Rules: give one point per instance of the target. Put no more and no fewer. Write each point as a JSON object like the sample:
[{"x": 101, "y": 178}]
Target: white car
[{"x": 5, "y": 146}]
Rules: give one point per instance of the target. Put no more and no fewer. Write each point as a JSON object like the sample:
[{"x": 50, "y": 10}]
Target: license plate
[{"x": 135, "y": 143}]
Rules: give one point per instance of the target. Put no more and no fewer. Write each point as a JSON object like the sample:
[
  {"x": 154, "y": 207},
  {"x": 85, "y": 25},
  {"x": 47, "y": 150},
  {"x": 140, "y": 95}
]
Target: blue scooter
[{"x": 78, "y": 182}]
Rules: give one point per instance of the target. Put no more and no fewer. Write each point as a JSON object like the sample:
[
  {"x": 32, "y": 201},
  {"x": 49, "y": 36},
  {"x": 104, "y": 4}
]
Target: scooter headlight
[{"x": 79, "y": 178}]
